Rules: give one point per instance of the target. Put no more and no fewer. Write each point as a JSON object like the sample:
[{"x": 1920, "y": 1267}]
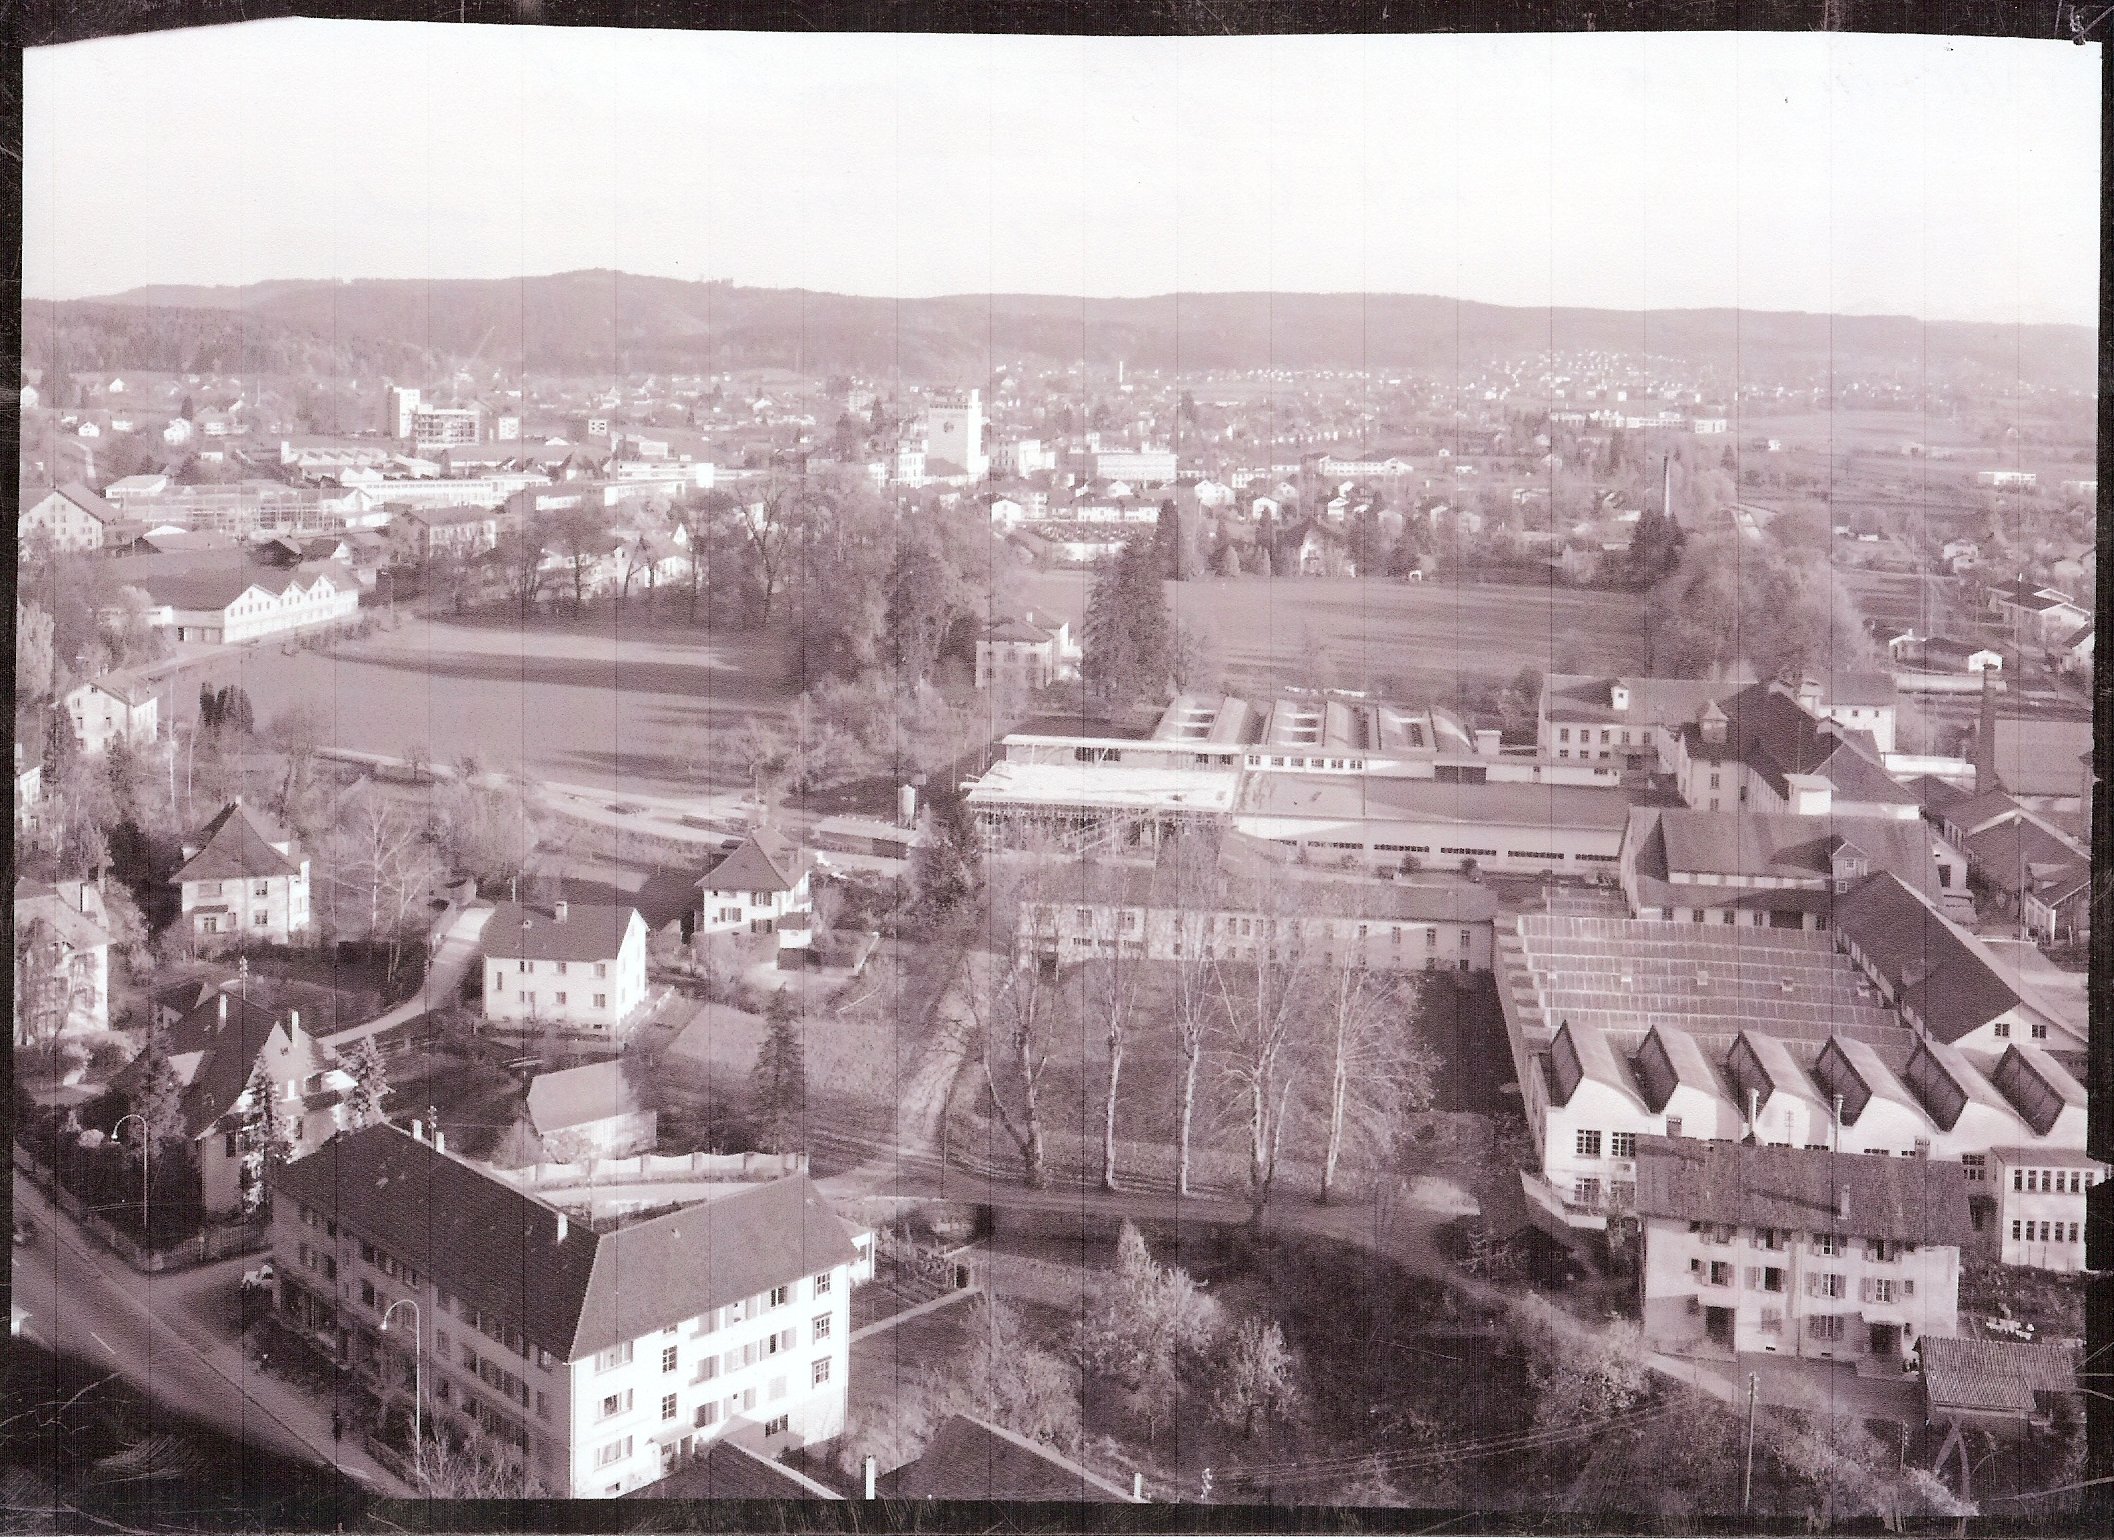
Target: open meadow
[
  {"x": 1378, "y": 634},
  {"x": 598, "y": 701}
]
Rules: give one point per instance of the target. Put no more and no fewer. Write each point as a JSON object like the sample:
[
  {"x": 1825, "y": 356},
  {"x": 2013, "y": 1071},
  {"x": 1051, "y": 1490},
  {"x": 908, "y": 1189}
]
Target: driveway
[{"x": 444, "y": 975}]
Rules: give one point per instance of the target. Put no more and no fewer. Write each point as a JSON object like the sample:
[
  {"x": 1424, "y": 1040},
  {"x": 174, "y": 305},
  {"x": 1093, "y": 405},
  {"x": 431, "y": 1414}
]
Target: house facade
[
  {"x": 71, "y": 517},
  {"x": 1754, "y": 1249},
  {"x": 577, "y": 968},
  {"x": 763, "y": 885},
  {"x": 62, "y": 962},
  {"x": 244, "y": 879},
  {"x": 1030, "y": 652},
  {"x": 113, "y": 709},
  {"x": 594, "y": 1358}
]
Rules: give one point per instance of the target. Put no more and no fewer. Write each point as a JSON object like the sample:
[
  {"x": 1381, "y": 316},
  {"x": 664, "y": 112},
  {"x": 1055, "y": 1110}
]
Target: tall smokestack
[{"x": 1986, "y": 778}]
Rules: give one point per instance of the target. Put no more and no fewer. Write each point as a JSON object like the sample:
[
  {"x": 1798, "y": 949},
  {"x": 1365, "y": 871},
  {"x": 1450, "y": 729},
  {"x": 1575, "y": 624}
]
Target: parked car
[{"x": 261, "y": 1278}]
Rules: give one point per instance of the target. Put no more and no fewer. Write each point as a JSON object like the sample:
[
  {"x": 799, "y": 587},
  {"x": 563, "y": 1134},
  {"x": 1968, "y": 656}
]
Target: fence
[{"x": 214, "y": 1243}]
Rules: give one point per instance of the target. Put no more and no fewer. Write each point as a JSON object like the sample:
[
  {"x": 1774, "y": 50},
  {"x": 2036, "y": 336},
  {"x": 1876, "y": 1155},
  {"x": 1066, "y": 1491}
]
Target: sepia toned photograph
[{"x": 1057, "y": 781}]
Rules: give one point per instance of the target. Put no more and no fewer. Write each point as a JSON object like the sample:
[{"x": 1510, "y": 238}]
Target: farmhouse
[
  {"x": 1027, "y": 652},
  {"x": 599, "y": 1356},
  {"x": 243, "y": 878},
  {"x": 71, "y": 517}
]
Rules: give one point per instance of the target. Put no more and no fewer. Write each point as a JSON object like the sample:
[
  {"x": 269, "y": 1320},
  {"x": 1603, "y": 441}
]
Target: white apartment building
[
  {"x": 1027, "y": 652},
  {"x": 578, "y": 969},
  {"x": 594, "y": 1353},
  {"x": 1756, "y": 1249}
]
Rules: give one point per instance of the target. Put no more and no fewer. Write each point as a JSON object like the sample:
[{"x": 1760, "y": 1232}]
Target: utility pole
[{"x": 1747, "y": 1481}]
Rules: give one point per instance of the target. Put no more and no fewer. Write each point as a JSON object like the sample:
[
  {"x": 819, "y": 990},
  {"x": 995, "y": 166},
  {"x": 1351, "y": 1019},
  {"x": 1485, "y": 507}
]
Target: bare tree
[
  {"x": 584, "y": 539},
  {"x": 1188, "y": 880},
  {"x": 766, "y": 528},
  {"x": 1002, "y": 1008},
  {"x": 1376, "y": 1070},
  {"x": 1264, "y": 996},
  {"x": 520, "y": 556},
  {"x": 1110, "y": 985},
  {"x": 381, "y": 847}
]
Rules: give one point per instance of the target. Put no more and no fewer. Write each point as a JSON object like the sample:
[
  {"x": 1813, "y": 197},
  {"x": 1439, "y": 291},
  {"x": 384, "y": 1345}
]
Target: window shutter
[
  {"x": 1754, "y": 1277},
  {"x": 1864, "y": 1290},
  {"x": 1813, "y": 1284}
]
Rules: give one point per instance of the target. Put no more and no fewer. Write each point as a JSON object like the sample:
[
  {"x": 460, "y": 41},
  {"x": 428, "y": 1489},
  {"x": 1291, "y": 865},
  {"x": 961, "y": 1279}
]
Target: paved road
[
  {"x": 451, "y": 960},
  {"x": 173, "y": 1336}
]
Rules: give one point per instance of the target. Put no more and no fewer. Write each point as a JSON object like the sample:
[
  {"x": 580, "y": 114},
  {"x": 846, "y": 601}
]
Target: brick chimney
[{"x": 558, "y": 911}]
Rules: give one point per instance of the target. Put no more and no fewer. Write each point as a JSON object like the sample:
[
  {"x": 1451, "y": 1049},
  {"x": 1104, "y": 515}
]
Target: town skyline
[{"x": 1600, "y": 171}]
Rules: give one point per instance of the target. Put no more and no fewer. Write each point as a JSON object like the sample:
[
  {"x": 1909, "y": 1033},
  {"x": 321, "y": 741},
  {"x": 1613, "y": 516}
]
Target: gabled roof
[
  {"x": 2038, "y": 1087},
  {"x": 571, "y": 1289},
  {"x": 1933, "y": 966},
  {"x": 42, "y": 902},
  {"x": 1915, "y": 1202},
  {"x": 764, "y": 862},
  {"x": 728, "y": 1471},
  {"x": 122, "y": 687},
  {"x": 588, "y": 933},
  {"x": 239, "y": 842},
  {"x": 88, "y": 502},
  {"x": 969, "y": 1459},
  {"x": 1963, "y": 1374},
  {"x": 587, "y": 1093},
  {"x": 1668, "y": 1059}
]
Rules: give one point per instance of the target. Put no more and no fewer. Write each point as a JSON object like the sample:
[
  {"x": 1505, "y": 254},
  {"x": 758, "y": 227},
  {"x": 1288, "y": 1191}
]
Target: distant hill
[{"x": 604, "y": 323}]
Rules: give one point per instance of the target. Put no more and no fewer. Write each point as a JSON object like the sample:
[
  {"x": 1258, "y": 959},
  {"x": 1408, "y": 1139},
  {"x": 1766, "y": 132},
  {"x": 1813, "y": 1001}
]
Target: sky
[{"x": 1939, "y": 178}]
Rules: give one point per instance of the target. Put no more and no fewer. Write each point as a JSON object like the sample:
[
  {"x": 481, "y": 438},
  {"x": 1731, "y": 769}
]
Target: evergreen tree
[
  {"x": 1255, "y": 1376},
  {"x": 370, "y": 1083},
  {"x": 156, "y": 1094},
  {"x": 1167, "y": 541},
  {"x": 1229, "y": 560},
  {"x": 947, "y": 864},
  {"x": 1263, "y": 566},
  {"x": 778, "y": 1085},
  {"x": 266, "y": 1139},
  {"x": 1128, "y": 634}
]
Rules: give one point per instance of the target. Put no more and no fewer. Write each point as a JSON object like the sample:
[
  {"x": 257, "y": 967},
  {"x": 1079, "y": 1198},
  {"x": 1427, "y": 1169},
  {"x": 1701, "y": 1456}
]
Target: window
[
  {"x": 561, "y": 997},
  {"x": 1975, "y": 1167},
  {"x": 1827, "y": 1285},
  {"x": 613, "y": 1451},
  {"x": 601, "y": 970},
  {"x": 2040, "y": 1029},
  {"x": 366, "y": 1293},
  {"x": 1828, "y": 1245},
  {"x": 668, "y": 1408},
  {"x": 2003, "y": 1029},
  {"x": 1589, "y": 1142},
  {"x": 706, "y": 1412},
  {"x": 821, "y": 1284},
  {"x": 1586, "y": 1192},
  {"x": 821, "y": 1371},
  {"x": 1721, "y": 1273},
  {"x": 1824, "y": 1328},
  {"x": 1772, "y": 1280},
  {"x": 2014, "y": 1229},
  {"x": 601, "y": 1001},
  {"x": 613, "y": 1358},
  {"x": 1882, "y": 1290},
  {"x": 615, "y": 1404},
  {"x": 1623, "y": 1146},
  {"x": 777, "y": 1297},
  {"x": 777, "y": 1425},
  {"x": 668, "y": 1360}
]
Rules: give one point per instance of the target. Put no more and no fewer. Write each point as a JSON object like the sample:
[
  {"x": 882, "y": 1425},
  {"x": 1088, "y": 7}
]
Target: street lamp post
[
  {"x": 146, "y": 1168},
  {"x": 418, "y": 1373}
]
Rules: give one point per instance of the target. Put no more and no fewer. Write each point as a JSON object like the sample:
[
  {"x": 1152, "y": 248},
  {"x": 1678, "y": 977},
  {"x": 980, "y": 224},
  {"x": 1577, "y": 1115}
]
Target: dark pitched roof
[
  {"x": 969, "y": 1459},
  {"x": 588, "y": 933},
  {"x": 728, "y": 1471},
  {"x": 1932, "y": 965},
  {"x": 764, "y": 862},
  {"x": 89, "y": 502},
  {"x": 1916, "y": 1202},
  {"x": 1961, "y": 1374},
  {"x": 501, "y": 1249},
  {"x": 1804, "y": 847},
  {"x": 240, "y": 842}
]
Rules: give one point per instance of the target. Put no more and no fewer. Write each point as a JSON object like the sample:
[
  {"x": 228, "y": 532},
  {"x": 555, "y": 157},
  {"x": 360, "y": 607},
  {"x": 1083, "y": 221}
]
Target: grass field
[
  {"x": 585, "y": 702},
  {"x": 1377, "y": 634}
]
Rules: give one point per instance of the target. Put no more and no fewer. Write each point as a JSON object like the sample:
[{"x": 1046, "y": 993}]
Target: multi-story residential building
[
  {"x": 1750, "y": 1248},
  {"x": 243, "y": 878},
  {"x": 1026, "y": 652},
  {"x": 596, "y": 1353},
  {"x": 62, "y": 961},
  {"x": 71, "y": 517},
  {"x": 578, "y": 969},
  {"x": 2036, "y": 616},
  {"x": 417, "y": 535},
  {"x": 764, "y": 884},
  {"x": 113, "y": 709},
  {"x": 218, "y": 1049},
  {"x": 436, "y": 427},
  {"x": 1628, "y": 721},
  {"x": 399, "y": 409},
  {"x": 1767, "y": 748}
]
